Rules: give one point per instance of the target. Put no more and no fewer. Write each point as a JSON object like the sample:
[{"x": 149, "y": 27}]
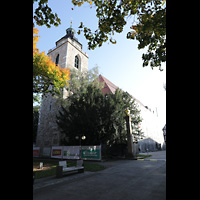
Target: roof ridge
[
  {"x": 112, "y": 87},
  {"x": 109, "y": 83}
]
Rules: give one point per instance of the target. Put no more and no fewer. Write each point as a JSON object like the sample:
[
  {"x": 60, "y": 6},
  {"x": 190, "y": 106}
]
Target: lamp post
[
  {"x": 129, "y": 135},
  {"x": 80, "y": 138}
]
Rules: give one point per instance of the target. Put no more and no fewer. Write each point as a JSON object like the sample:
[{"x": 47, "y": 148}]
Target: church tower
[{"x": 68, "y": 54}]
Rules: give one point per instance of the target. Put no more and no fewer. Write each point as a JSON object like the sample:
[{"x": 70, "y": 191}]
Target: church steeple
[
  {"x": 68, "y": 52},
  {"x": 70, "y": 32}
]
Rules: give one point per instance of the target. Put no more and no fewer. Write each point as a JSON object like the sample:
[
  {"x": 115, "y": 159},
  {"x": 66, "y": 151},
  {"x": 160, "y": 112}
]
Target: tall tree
[
  {"x": 86, "y": 116},
  {"x": 148, "y": 25},
  {"x": 122, "y": 101},
  {"x": 47, "y": 76},
  {"x": 35, "y": 121},
  {"x": 43, "y": 14},
  {"x": 100, "y": 118}
]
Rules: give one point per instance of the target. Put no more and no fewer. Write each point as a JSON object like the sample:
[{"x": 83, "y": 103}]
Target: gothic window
[
  {"x": 76, "y": 64},
  {"x": 57, "y": 59}
]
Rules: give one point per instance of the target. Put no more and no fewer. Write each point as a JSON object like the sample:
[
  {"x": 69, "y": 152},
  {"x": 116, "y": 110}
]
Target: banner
[
  {"x": 46, "y": 152},
  {"x": 56, "y": 152},
  {"x": 36, "y": 151},
  {"x": 91, "y": 152},
  {"x": 71, "y": 152}
]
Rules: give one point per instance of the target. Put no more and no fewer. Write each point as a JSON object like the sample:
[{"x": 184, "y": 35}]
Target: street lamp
[{"x": 81, "y": 138}]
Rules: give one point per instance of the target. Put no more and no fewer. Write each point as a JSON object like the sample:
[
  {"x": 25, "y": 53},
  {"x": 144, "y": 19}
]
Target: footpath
[
  {"x": 156, "y": 156},
  {"x": 51, "y": 180}
]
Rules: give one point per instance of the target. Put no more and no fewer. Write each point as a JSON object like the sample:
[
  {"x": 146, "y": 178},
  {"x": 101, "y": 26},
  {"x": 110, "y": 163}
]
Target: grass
[
  {"x": 92, "y": 167},
  {"x": 144, "y": 156}
]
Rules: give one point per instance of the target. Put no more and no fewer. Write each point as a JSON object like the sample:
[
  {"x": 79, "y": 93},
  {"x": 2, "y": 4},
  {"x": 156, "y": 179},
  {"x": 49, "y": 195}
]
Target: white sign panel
[{"x": 71, "y": 152}]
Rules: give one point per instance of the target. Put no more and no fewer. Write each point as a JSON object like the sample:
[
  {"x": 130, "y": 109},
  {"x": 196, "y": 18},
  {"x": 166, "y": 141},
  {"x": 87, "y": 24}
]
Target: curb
[{"x": 151, "y": 159}]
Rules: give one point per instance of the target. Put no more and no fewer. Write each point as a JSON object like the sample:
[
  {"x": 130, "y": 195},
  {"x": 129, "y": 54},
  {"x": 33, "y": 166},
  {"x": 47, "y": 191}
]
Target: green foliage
[
  {"x": 149, "y": 25},
  {"x": 43, "y": 14},
  {"x": 86, "y": 116},
  {"x": 100, "y": 118}
]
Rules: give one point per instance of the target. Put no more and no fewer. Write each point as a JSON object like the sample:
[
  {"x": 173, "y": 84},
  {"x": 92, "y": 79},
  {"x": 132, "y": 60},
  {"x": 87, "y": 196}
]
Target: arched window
[
  {"x": 76, "y": 64},
  {"x": 57, "y": 59}
]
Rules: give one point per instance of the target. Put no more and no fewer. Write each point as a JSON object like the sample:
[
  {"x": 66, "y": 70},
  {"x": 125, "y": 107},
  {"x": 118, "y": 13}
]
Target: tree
[
  {"x": 87, "y": 115},
  {"x": 47, "y": 76},
  {"x": 43, "y": 15},
  {"x": 148, "y": 26},
  {"x": 35, "y": 121},
  {"x": 122, "y": 101},
  {"x": 100, "y": 118}
]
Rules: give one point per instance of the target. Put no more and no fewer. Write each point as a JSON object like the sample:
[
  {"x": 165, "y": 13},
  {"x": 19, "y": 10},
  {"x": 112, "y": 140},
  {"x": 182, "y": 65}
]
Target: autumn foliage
[{"x": 47, "y": 76}]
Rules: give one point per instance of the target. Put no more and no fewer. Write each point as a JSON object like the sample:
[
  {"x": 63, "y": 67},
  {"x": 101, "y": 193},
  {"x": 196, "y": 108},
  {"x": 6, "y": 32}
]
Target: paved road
[
  {"x": 127, "y": 180},
  {"x": 160, "y": 155}
]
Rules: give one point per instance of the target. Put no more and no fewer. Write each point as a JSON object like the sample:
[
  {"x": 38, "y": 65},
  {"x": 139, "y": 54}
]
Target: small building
[{"x": 164, "y": 133}]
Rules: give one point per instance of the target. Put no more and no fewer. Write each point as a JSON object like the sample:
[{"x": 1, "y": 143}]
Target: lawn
[
  {"x": 143, "y": 156},
  {"x": 49, "y": 167}
]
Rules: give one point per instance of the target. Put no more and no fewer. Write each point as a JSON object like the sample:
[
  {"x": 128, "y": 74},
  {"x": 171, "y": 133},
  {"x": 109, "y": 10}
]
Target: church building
[{"x": 68, "y": 53}]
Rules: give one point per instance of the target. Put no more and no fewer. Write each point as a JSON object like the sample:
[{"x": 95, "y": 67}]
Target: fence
[{"x": 69, "y": 152}]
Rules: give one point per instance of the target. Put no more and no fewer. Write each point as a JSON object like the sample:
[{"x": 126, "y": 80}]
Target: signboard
[
  {"x": 91, "y": 152},
  {"x": 36, "y": 151},
  {"x": 71, "y": 152},
  {"x": 56, "y": 152},
  {"x": 46, "y": 152}
]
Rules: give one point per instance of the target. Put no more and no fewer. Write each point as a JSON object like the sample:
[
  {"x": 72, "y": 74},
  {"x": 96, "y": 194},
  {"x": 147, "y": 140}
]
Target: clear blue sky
[{"x": 121, "y": 63}]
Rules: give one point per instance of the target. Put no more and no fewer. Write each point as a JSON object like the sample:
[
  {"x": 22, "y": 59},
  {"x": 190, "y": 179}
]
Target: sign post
[{"x": 91, "y": 152}]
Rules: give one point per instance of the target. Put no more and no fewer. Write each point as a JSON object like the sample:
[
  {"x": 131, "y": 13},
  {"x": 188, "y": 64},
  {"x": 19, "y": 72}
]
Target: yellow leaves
[
  {"x": 113, "y": 41},
  {"x": 35, "y": 39},
  {"x": 80, "y": 3},
  {"x": 135, "y": 30},
  {"x": 35, "y": 31},
  {"x": 45, "y": 68}
]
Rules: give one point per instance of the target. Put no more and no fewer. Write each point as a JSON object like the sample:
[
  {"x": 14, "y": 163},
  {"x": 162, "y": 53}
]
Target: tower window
[
  {"x": 57, "y": 59},
  {"x": 76, "y": 64}
]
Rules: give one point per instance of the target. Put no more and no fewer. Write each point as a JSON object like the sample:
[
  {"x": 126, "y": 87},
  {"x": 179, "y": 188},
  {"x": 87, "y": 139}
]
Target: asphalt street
[{"x": 125, "y": 180}]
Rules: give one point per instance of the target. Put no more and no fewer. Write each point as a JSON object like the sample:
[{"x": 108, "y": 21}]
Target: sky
[{"x": 121, "y": 63}]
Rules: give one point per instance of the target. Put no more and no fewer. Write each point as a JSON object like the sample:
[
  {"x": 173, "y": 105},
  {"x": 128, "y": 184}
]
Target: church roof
[
  {"x": 108, "y": 86},
  {"x": 70, "y": 32}
]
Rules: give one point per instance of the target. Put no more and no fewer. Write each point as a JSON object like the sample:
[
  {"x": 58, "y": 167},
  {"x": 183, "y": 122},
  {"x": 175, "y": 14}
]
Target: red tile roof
[{"x": 108, "y": 86}]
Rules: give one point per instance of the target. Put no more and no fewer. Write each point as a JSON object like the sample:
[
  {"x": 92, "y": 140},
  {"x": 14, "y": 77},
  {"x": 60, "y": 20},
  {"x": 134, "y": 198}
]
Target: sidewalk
[
  {"x": 51, "y": 180},
  {"x": 156, "y": 155}
]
